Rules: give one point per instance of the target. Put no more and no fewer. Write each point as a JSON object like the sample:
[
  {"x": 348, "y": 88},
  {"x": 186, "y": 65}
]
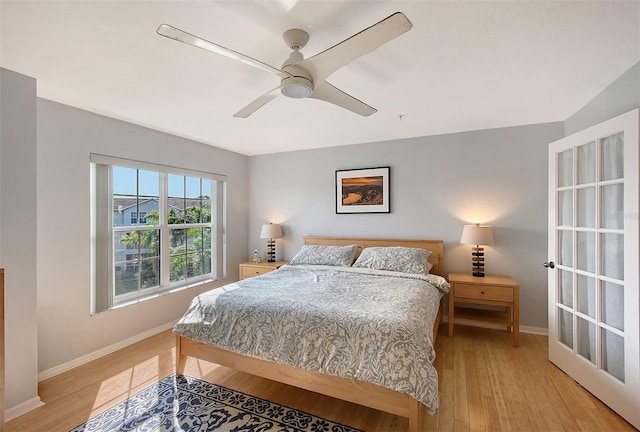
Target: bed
[{"x": 390, "y": 397}]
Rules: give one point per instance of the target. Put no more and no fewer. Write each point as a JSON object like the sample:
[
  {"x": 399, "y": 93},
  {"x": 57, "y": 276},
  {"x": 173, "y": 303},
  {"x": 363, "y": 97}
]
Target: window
[
  {"x": 134, "y": 218},
  {"x": 156, "y": 229}
]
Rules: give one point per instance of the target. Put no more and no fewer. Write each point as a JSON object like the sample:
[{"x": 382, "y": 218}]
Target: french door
[{"x": 594, "y": 306}]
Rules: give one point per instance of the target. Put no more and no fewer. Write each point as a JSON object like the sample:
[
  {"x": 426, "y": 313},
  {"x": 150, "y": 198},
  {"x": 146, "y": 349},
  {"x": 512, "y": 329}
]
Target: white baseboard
[
  {"x": 22, "y": 408},
  {"x": 535, "y": 330},
  {"x": 102, "y": 352}
]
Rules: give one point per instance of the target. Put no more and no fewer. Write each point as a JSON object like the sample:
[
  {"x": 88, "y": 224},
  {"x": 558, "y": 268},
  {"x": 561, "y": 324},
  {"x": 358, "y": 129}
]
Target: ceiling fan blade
[
  {"x": 258, "y": 103},
  {"x": 330, "y": 60},
  {"x": 328, "y": 93},
  {"x": 174, "y": 33}
]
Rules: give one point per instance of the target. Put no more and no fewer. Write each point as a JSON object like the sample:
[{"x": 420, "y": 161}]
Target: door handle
[{"x": 549, "y": 264}]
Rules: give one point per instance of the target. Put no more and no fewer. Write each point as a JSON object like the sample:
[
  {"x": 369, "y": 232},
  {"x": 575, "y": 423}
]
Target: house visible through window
[{"x": 156, "y": 228}]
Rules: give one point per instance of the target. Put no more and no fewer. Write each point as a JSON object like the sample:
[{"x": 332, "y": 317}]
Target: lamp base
[
  {"x": 477, "y": 261},
  {"x": 271, "y": 250}
]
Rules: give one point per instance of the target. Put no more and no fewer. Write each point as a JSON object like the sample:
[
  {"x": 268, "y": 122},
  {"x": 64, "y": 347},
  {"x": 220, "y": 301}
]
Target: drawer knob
[{"x": 481, "y": 292}]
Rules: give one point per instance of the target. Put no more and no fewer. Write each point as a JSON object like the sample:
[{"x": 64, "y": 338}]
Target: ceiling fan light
[{"x": 296, "y": 91}]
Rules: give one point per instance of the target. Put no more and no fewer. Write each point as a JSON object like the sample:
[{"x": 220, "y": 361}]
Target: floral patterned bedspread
[{"x": 370, "y": 325}]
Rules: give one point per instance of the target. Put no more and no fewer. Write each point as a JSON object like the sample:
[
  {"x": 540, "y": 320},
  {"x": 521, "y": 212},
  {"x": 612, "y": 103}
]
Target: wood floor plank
[
  {"x": 489, "y": 407},
  {"x": 446, "y": 414},
  {"x": 460, "y": 400},
  {"x": 485, "y": 385},
  {"x": 490, "y": 414},
  {"x": 474, "y": 391}
]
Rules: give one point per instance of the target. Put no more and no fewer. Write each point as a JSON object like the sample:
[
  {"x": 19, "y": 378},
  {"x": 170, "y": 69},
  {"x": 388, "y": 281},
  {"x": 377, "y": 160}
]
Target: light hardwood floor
[{"x": 485, "y": 385}]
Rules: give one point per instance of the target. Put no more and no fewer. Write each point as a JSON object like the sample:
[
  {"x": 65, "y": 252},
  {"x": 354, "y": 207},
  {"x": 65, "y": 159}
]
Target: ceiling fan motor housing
[{"x": 298, "y": 85}]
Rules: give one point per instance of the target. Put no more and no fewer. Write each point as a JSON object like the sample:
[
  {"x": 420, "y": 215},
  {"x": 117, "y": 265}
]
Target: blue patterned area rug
[{"x": 190, "y": 404}]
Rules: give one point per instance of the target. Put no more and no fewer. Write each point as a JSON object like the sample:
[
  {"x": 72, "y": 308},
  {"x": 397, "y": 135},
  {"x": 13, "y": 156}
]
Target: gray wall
[
  {"x": 438, "y": 184},
  {"x": 619, "y": 97},
  {"x": 66, "y": 137},
  {"x": 18, "y": 235}
]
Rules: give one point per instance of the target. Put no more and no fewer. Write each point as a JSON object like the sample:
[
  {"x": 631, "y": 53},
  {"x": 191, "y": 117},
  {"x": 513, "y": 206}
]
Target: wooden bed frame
[{"x": 351, "y": 390}]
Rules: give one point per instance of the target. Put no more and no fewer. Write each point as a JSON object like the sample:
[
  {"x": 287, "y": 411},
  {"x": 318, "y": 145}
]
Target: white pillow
[
  {"x": 325, "y": 255},
  {"x": 395, "y": 258}
]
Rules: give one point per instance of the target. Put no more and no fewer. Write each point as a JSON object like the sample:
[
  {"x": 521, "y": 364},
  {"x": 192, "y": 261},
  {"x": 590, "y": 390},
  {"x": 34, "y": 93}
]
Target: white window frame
[{"x": 102, "y": 249}]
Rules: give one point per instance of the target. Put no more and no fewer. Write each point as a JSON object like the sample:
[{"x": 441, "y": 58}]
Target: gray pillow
[
  {"x": 325, "y": 255},
  {"x": 395, "y": 258}
]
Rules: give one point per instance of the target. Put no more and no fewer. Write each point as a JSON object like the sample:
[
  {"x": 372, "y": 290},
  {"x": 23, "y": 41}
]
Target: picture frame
[{"x": 363, "y": 190}]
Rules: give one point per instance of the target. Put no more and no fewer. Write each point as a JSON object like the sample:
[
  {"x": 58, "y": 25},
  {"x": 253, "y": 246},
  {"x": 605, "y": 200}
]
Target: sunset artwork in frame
[{"x": 364, "y": 190}]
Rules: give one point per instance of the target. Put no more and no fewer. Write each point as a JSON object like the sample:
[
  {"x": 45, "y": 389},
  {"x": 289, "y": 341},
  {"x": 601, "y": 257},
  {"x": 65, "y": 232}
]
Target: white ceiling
[{"x": 464, "y": 65}]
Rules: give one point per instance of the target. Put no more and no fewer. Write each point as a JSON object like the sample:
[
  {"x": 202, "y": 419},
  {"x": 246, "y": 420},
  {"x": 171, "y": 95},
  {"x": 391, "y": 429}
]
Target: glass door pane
[
  {"x": 565, "y": 168},
  {"x": 587, "y": 339},
  {"x": 613, "y": 354},
  {"x": 565, "y": 288},
  {"x": 587, "y": 251},
  {"x": 587, "y": 163},
  {"x": 565, "y": 240},
  {"x": 612, "y": 251},
  {"x": 611, "y": 208},
  {"x": 566, "y": 327},
  {"x": 612, "y": 150},
  {"x": 565, "y": 208},
  {"x": 587, "y": 295},
  {"x": 612, "y": 301},
  {"x": 587, "y": 207}
]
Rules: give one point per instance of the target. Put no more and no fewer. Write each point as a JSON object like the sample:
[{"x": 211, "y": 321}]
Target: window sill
[{"x": 156, "y": 295}]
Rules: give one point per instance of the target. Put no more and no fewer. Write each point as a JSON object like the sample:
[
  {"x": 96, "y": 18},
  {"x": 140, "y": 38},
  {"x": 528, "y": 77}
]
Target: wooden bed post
[
  {"x": 181, "y": 359},
  {"x": 417, "y": 414}
]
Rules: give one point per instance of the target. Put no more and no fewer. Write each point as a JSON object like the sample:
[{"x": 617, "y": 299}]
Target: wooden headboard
[{"x": 435, "y": 246}]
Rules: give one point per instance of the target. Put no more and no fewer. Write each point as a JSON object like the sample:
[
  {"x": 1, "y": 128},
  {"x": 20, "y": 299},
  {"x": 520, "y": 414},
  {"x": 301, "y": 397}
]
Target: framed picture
[{"x": 363, "y": 190}]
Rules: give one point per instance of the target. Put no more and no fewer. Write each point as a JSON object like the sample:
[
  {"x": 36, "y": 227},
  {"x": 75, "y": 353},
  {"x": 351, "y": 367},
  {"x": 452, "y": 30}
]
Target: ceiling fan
[{"x": 303, "y": 78}]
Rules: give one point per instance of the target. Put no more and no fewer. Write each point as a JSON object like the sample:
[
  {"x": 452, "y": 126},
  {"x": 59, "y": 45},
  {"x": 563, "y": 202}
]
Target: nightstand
[
  {"x": 250, "y": 268},
  {"x": 489, "y": 290}
]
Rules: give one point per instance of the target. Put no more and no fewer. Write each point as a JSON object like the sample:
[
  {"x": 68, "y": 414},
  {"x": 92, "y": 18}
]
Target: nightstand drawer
[
  {"x": 481, "y": 292},
  {"x": 251, "y": 271}
]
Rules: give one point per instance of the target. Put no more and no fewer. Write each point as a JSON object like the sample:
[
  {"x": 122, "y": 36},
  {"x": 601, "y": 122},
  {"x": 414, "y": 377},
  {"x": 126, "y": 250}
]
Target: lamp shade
[
  {"x": 270, "y": 231},
  {"x": 477, "y": 235}
]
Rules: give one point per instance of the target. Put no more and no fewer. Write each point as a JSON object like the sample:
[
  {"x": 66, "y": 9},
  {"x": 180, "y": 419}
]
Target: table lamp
[
  {"x": 477, "y": 235},
  {"x": 271, "y": 231}
]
